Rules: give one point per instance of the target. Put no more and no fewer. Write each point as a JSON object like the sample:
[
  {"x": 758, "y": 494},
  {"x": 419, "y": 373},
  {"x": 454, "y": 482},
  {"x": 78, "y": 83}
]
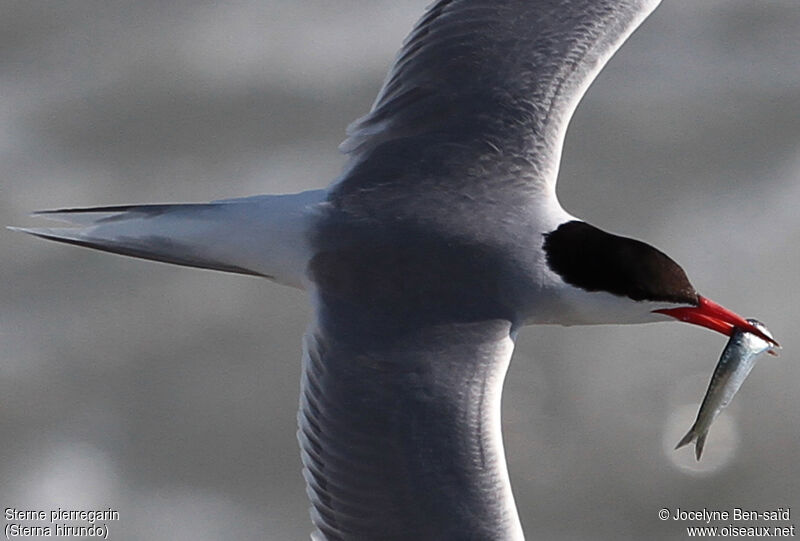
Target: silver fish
[{"x": 735, "y": 363}]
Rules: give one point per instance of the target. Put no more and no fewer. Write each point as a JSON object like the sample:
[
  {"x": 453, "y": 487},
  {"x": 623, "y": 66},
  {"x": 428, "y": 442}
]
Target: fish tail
[
  {"x": 699, "y": 444},
  {"x": 699, "y": 439},
  {"x": 688, "y": 438}
]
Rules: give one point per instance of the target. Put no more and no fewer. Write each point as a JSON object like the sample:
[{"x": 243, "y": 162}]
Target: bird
[{"x": 441, "y": 238}]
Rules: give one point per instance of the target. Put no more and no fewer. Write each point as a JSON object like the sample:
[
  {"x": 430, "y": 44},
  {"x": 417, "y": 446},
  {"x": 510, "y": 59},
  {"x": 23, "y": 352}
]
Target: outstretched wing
[
  {"x": 400, "y": 407},
  {"x": 400, "y": 433},
  {"x": 480, "y": 96}
]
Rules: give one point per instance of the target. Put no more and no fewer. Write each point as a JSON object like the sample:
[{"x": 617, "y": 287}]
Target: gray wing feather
[
  {"x": 402, "y": 441},
  {"x": 399, "y": 418},
  {"x": 482, "y": 91}
]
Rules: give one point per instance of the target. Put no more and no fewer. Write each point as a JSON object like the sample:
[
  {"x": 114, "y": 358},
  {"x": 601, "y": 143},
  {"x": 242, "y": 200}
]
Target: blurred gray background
[{"x": 169, "y": 394}]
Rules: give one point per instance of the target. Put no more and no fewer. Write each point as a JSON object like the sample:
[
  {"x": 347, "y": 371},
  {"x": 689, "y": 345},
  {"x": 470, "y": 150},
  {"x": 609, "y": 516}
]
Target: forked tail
[
  {"x": 260, "y": 236},
  {"x": 694, "y": 436}
]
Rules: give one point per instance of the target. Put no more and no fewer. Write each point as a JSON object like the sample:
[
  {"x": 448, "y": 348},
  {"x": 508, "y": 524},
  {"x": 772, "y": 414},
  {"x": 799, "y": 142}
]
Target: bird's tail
[
  {"x": 699, "y": 439},
  {"x": 261, "y": 235}
]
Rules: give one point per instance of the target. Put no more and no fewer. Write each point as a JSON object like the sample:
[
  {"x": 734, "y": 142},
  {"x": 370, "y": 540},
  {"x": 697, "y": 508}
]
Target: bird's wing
[
  {"x": 480, "y": 96},
  {"x": 399, "y": 426},
  {"x": 400, "y": 408}
]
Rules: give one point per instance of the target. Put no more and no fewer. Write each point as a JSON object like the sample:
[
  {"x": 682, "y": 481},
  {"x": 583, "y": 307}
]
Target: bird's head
[{"x": 607, "y": 278}]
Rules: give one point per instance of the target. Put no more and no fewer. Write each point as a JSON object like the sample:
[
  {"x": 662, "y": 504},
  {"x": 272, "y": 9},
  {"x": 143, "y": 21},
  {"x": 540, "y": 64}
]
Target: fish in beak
[{"x": 712, "y": 316}]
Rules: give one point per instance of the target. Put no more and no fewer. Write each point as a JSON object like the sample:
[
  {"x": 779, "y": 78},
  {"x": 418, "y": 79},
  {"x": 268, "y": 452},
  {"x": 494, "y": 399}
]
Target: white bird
[{"x": 441, "y": 238}]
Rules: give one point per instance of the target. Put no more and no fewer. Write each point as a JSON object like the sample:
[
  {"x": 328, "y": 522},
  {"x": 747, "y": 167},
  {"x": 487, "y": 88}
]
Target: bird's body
[{"x": 441, "y": 238}]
